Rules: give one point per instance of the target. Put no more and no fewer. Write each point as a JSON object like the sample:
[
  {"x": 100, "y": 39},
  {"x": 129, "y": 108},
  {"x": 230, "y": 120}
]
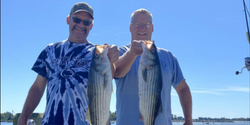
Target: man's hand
[
  {"x": 22, "y": 121},
  {"x": 135, "y": 48},
  {"x": 113, "y": 54},
  {"x": 188, "y": 123}
]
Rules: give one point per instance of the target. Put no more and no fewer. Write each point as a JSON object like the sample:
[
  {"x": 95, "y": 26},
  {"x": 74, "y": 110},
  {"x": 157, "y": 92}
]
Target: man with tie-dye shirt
[{"x": 64, "y": 68}]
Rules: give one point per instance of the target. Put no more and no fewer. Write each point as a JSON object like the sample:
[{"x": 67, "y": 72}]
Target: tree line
[
  {"x": 8, "y": 116},
  {"x": 208, "y": 119}
]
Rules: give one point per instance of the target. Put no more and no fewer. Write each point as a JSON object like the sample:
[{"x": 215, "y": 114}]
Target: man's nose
[
  {"x": 142, "y": 27},
  {"x": 81, "y": 24}
]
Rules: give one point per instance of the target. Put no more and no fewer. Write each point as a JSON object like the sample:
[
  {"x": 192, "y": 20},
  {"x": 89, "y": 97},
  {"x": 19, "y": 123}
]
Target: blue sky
[{"x": 208, "y": 37}]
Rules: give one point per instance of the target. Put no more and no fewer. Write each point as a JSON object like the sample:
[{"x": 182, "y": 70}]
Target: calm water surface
[
  {"x": 215, "y": 123},
  {"x": 180, "y": 123}
]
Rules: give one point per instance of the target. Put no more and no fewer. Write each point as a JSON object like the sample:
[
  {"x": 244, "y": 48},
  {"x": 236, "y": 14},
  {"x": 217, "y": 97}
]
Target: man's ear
[
  {"x": 67, "y": 19},
  {"x": 91, "y": 26},
  {"x": 130, "y": 28},
  {"x": 152, "y": 27}
]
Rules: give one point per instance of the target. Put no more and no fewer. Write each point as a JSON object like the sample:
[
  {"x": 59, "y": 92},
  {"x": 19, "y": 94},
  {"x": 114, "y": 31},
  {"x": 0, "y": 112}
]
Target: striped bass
[
  {"x": 150, "y": 84},
  {"x": 99, "y": 87}
]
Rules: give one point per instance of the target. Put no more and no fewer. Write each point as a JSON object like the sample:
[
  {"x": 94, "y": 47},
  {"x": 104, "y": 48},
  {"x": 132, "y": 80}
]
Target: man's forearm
[
  {"x": 33, "y": 99},
  {"x": 124, "y": 64},
  {"x": 186, "y": 103},
  {"x": 113, "y": 69}
]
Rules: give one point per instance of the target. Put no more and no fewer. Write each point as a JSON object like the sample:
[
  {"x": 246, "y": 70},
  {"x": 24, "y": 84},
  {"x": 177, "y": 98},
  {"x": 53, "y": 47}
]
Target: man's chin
[
  {"x": 80, "y": 35},
  {"x": 80, "y": 38},
  {"x": 142, "y": 38}
]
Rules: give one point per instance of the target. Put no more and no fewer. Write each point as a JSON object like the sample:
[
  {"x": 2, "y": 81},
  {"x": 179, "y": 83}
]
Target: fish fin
[
  {"x": 108, "y": 122},
  {"x": 88, "y": 117},
  {"x": 105, "y": 81},
  {"x": 144, "y": 74},
  {"x": 87, "y": 92},
  {"x": 140, "y": 116},
  {"x": 160, "y": 110},
  {"x": 112, "y": 87}
]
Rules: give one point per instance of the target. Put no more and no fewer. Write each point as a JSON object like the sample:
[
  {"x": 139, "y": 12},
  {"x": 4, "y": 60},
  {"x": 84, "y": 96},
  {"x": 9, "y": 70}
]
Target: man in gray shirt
[{"x": 126, "y": 76}]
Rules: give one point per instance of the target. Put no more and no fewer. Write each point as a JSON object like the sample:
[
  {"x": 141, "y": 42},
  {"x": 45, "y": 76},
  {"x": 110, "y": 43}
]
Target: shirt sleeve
[
  {"x": 123, "y": 49},
  {"x": 40, "y": 64},
  {"x": 177, "y": 73}
]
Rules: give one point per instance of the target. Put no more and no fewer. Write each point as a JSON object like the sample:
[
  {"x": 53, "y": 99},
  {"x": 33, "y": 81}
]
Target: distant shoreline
[
  {"x": 7, "y": 121},
  {"x": 172, "y": 121},
  {"x": 194, "y": 120}
]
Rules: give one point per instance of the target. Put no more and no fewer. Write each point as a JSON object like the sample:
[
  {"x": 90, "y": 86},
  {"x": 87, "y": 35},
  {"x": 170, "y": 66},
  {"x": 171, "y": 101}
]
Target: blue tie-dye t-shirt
[{"x": 66, "y": 66}]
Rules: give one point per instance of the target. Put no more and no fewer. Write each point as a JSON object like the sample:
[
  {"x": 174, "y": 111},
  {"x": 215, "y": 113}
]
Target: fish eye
[
  {"x": 96, "y": 55},
  {"x": 153, "y": 50}
]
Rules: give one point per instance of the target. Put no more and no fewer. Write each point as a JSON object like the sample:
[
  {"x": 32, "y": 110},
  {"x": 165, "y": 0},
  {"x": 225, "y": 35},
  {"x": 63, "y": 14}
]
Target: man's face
[
  {"x": 79, "y": 26},
  {"x": 141, "y": 27}
]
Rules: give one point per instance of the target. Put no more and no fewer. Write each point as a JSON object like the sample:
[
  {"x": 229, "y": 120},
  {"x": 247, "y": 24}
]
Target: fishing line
[{"x": 246, "y": 8}]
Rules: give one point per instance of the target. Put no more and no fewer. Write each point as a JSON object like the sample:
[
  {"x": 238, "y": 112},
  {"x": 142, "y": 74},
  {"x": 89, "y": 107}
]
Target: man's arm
[
  {"x": 34, "y": 96},
  {"x": 125, "y": 62},
  {"x": 186, "y": 101},
  {"x": 113, "y": 55}
]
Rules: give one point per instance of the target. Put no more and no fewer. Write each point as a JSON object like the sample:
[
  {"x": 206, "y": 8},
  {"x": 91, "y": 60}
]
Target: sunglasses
[
  {"x": 138, "y": 25},
  {"x": 85, "y": 22}
]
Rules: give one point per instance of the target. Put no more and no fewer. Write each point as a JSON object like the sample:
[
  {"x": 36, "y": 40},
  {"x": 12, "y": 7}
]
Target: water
[
  {"x": 181, "y": 123},
  {"x": 216, "y": 123},
  {"x": 6, "y": 123}
]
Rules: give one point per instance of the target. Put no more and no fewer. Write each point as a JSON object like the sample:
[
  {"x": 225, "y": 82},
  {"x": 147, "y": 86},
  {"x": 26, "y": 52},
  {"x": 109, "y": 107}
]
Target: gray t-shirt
[{"x": 127, "y": 105}]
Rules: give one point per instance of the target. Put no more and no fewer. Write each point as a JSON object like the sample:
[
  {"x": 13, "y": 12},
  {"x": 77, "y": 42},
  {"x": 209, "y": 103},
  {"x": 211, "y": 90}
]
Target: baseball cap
[{"x": 82, "y": 7}]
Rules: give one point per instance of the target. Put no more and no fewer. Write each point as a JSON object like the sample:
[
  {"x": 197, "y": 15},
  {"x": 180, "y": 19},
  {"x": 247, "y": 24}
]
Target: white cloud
[
  {"x": 207, "y": 92},
  {"x": 237, "y": 89},
  {"x": 220, "y": 91}
]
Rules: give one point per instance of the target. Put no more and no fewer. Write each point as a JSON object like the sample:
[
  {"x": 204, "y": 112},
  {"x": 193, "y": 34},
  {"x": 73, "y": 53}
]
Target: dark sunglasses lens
[
  {"x": 86, "y": 23},
  {"x": 76, "y": 20}
]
